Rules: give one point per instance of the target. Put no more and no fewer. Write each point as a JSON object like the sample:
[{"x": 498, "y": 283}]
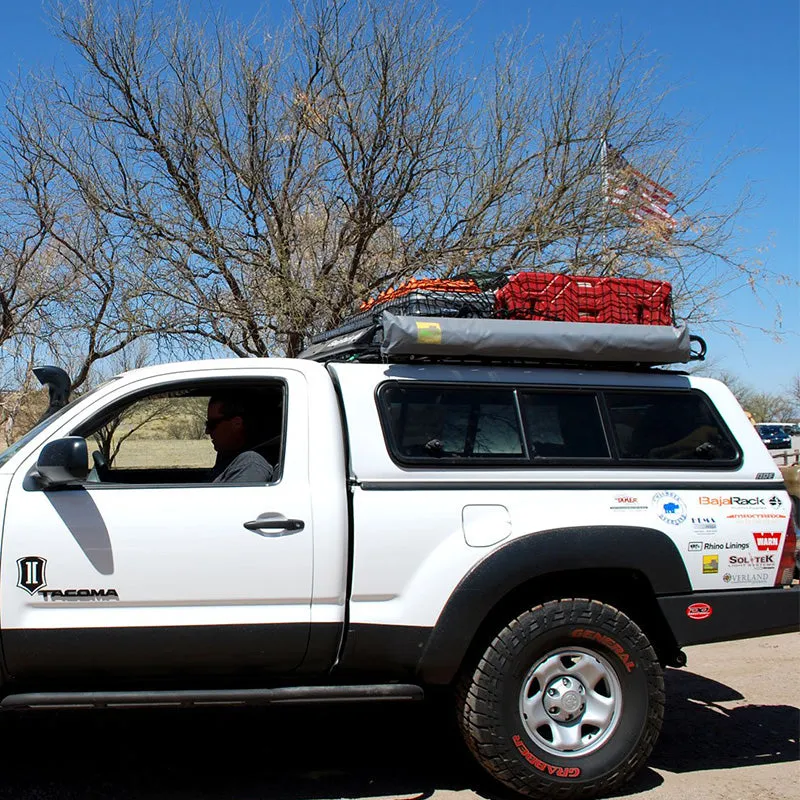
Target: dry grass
[{"x": 156, "y": 453}]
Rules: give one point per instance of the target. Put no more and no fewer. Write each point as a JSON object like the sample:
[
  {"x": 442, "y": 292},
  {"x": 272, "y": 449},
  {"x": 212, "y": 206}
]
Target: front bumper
[{"x": 742, "y": 614}]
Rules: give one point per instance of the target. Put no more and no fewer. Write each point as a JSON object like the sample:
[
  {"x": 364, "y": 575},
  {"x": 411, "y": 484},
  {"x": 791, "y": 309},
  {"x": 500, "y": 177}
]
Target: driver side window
[
  {"x": 159, "y": 432},
  {"x": 162, "y": 436}
]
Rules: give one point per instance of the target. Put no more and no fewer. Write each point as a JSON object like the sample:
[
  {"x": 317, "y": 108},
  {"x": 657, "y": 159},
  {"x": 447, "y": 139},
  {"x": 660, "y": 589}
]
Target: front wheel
[{"x": 566, "y": 702}]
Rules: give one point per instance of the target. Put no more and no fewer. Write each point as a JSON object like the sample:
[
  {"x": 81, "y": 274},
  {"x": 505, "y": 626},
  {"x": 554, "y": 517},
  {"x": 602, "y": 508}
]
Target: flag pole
[{"x": 604, "y": 186}]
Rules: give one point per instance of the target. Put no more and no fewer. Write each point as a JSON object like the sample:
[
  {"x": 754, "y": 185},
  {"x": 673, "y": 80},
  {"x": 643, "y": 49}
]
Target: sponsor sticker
[
  {"x": 756, "y": 516},
  {"x": 699, "y": 611},
  {"x": 726, "y": 546},
  {"x": 767, "y": 540},
  {"x": 765, "y": 561},
  {"x": 710, "y": 564},
  {"x": 695, "y": 546},
  {"x": 764, "y": 476},
  {"x": 747, "y": 578},
  {"x": 734, "y": 500},
  {"x": 627, "y": 502},
  {"x": 704, "y": 524},
  {"x": 429, "y": 333},
  {"x": 30, "y": 573},
  {"x": 670, "y": 508}
]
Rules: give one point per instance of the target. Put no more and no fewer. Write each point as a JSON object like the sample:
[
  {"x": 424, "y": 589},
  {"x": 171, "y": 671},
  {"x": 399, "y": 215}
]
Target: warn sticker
[{"x": 767, "y": 540}]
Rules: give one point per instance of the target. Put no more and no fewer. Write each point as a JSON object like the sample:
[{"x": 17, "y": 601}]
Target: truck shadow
[
  {"x": 387, "y": 751},
  {"x": 701, "y": 733}
]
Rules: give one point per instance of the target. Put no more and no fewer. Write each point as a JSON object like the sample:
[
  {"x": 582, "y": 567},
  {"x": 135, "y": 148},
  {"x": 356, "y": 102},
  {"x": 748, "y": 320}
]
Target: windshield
[
  {"x": 772, "y": 430},
  {"x": 36, "y": 429}
]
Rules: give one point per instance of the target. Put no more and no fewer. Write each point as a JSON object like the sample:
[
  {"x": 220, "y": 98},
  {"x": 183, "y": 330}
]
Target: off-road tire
[{"x": 503, "y": 737}]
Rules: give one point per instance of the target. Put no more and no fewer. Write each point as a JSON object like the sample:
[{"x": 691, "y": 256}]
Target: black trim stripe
[
  {"x": 99, "y": 656},
  {"x": 546, "y": 485}
]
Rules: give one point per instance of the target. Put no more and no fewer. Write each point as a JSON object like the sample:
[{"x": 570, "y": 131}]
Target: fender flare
[{"x": 645, "y": 550}]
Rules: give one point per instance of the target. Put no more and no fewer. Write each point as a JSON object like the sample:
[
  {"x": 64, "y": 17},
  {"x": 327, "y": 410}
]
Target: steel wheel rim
[{"x": 570, "y": 702}]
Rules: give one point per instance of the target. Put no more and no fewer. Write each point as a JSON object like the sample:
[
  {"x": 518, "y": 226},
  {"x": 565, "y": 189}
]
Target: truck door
[{"x": 147, "y": 568}]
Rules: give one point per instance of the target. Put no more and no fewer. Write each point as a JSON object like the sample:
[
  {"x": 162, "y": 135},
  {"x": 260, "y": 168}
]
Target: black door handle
[{"x": 275, "y": 522}]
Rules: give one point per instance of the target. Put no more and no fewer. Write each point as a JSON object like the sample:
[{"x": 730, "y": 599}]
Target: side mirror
[{"x": 63, "y": 462}]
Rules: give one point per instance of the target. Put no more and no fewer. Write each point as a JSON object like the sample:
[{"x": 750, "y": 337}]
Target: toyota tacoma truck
[{"x": 538, "y": 529}]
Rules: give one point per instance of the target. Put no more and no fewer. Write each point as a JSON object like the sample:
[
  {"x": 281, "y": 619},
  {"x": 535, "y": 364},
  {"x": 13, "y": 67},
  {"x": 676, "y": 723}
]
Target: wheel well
[{"x": 627, "y": 590}]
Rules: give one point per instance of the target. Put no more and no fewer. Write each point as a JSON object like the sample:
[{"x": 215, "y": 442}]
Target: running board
[{"x": 212, "y": 697}]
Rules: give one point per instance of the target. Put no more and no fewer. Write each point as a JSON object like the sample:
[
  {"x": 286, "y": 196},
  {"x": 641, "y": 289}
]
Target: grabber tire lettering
[{"x": 542, "y": 710}]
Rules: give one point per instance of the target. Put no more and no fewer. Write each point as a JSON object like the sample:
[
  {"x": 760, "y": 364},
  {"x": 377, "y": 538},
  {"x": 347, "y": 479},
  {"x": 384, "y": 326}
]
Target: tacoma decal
[
  {"x": 543, "y": 766},
  {"x": 79, "y": 594},
  {"x": 30, "y": 577}
]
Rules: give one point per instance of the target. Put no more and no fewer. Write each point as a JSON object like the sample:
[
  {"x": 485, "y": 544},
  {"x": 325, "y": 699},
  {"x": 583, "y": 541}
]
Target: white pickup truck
[{"x": 541, "y": 539}]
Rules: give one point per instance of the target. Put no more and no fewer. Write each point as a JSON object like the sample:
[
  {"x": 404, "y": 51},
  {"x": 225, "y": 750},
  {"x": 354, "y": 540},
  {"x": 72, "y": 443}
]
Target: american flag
[{"x": 640, "y": 197}]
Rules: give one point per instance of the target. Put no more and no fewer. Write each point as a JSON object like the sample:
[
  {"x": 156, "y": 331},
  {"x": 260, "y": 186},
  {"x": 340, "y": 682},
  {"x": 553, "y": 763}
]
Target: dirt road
[{"x": 731, "y": 733}]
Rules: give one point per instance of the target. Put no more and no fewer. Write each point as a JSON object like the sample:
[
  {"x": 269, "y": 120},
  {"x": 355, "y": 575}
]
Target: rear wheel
[{"x": 566, "y": 702}]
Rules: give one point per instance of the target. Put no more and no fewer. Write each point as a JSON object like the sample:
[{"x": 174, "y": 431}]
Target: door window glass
[{"x": 189, "y": 434}]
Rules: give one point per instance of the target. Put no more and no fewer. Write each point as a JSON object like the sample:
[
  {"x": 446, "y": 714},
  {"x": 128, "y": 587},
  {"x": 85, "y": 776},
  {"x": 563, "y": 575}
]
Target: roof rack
[{"x": 392, "y": 338}]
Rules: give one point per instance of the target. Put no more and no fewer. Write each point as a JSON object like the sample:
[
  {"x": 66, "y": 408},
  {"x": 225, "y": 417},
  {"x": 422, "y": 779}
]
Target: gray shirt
[{"x": 247, "y": 467}]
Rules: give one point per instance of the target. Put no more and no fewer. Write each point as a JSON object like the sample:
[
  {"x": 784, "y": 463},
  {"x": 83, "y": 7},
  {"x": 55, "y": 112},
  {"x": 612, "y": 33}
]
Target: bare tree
[
  {"x": 794, "y": 394},
  {"x": 766, "y": 406},
  {"x": 253, "y": 184}
]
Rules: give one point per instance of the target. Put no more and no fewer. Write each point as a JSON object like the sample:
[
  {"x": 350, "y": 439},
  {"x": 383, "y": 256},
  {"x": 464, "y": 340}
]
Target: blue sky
[{"x": 736, "y": 69}]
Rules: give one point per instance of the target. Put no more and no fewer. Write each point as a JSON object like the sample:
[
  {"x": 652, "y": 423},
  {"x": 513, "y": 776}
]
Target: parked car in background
[
  {"x": 774, "y": 436},
  {"x": 792, "y": 428}
]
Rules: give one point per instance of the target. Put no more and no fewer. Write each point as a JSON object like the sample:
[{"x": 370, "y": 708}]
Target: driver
[{"x": 231, "y": 422}]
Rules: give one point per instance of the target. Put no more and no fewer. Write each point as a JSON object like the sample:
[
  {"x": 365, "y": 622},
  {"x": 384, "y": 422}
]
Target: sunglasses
[{"x": 211, "y": 424}]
